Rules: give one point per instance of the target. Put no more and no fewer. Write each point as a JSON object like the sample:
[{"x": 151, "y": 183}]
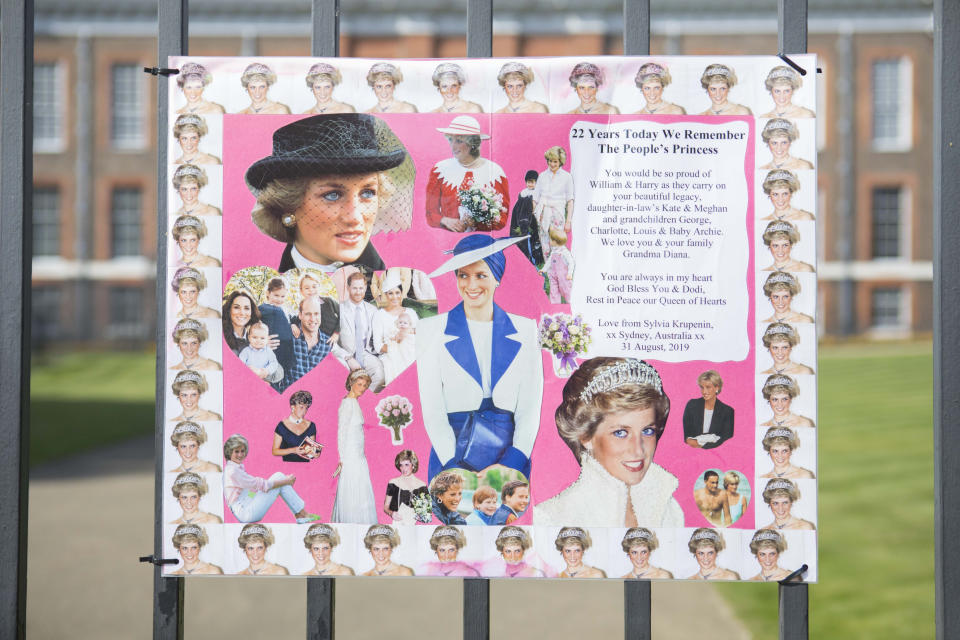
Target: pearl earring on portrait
[{"x": 289, "y": 220}]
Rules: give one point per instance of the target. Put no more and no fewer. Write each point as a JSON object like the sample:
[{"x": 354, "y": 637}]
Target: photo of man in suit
[{"x": 355, "y": 345}]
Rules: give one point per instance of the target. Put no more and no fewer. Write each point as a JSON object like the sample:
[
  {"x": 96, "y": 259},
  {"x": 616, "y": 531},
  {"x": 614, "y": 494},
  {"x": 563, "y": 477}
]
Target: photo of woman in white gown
[{"x": 354, "y": 502}]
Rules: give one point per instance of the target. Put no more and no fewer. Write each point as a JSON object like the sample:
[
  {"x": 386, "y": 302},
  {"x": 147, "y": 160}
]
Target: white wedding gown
[{"x": 354, "y": 501}]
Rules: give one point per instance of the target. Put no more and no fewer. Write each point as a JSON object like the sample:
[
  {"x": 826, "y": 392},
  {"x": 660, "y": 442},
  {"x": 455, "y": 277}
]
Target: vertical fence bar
[
  {"x": 636, "y": 593},
  {"x": 476, "y": 591},
  {"x": 325, "y": 37},
  {"x": 476, "y": 609},
  {"x": 16, "y": 194},
  {"x": 636, "y": 610},
  {"x": 946, "y": 321},
  {"x": 479, "y": 28},
  {"x": 167, "y": 592},
  {"x": 792, "y": 38},
  {"x": 321, "y": 592},
  {"x": 321, "y": 598},
  {"x": 636, "y": 27}
]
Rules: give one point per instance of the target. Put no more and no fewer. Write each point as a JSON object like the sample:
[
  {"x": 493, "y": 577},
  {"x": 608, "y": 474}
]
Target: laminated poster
[{"x": 547, "y": 317}]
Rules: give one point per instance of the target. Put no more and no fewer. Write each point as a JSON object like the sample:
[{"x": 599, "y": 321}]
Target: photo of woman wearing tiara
[
  {"x": 383, "y": 78},
  {"x": 779, "y": 495},
  {"x": 188, "y": 488},
  {"x": 613, "y": 413},
  {"x": 780, "y": 339},
  {"x": 188, "y": 386},
  {"x": 513, "y": 543},
  {"x": 192, "y": 80},
  {"x": 780, "y": 185},
  {"x": 652, "y": 78},
  {"x": 717, "y": 80},
  {"x": 380, "y": 540},
  {"x": 782, "y": 82},
  {"x": 446, "y": 542},
  {"x": 189, "y": 540},
  {"x": 332, "y": 181},
  {"x": 466, "y": 170},
  {"x": 513, "y": 78},
  {"x": 187, "y": 283},
  {"x": 320, "y": 541},
  {"x": 189, "y": 335},
  {"x": 254, "y": 540},
  {"x": 572, "y": 543},
  {"x": 188, "y": 180},
  {"x": 321, "y": 80},
  {"x": 778, "y": 134},
  {"x": 187, "y": 438},
  {"x": 187, "y": 232},
  {"x": 780, "y": 236},
  {"x": 705, "y": 545},
  {"x": 707, "y": 422},
  {"x": 187, "y": 131},
  {"x": 779, "y": 390},
  {"x": 781, "y": 288},
  {"x": 257, "y": 79},
  {"x": 480, "y": 369},
  {"x": 780, "y": 443},
  {"x": 586, "y": 79},
  {"x": 639, "y": 543},
  {"x": 766, "y": 546},
  {"x": 449, "y": 78}
]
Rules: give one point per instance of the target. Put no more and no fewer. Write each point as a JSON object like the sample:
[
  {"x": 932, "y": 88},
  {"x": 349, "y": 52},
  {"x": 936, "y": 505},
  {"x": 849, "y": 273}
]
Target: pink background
[{"x": 253, "y": 409}]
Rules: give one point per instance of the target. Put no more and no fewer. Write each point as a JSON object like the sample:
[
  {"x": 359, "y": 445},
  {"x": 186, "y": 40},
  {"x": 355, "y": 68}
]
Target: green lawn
[
  {"x": 875, "y": 500},
  {"x": 81, "y": 400}
]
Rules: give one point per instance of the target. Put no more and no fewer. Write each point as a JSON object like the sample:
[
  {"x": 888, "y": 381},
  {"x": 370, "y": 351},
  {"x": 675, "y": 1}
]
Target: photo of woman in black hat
[{"x": 330, "y": 183}]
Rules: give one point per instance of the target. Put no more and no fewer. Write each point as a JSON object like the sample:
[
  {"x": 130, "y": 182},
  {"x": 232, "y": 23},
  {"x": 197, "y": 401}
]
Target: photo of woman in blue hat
[
  {"x": 331, "y": 182},
  {"x": 479, "y": 368}
]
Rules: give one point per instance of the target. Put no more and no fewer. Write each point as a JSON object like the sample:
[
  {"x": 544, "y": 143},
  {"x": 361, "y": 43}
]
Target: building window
[
  {"x": 892, "y": 82},
  {"x": 126, "y": 313},
  {"x": 45, "y": 314},
  {"x": 48, "y": 92},
  {"x": 127, "y": 101},
  {"x": 886, "y": 209},
  {"x": 886, "y": 308},
  {"x": 46, "y": 221},
  {"x": 125, "y": 212}
]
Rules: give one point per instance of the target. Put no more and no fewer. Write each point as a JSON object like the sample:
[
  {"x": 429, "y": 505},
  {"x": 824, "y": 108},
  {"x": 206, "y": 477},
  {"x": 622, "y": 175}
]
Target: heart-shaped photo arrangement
[{"x": 283, "y": 325}]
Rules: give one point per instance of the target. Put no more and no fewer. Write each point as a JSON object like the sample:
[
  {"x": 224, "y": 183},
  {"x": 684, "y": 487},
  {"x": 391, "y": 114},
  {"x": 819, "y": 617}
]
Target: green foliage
[
  {"x": 875, "y": 474},
  {"x": 81, "y": 401}
]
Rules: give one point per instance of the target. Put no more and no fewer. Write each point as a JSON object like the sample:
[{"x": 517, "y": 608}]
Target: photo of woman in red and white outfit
[{"x": 465, "y": 170}]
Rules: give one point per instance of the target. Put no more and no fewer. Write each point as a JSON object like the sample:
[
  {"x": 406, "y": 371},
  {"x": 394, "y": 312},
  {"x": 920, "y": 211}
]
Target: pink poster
[{"x": 524, "y": 318}]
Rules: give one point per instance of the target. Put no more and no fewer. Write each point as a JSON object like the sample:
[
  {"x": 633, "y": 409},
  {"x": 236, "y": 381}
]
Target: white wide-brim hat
[
  {"x": 474, "y": 255},
  {"x": 464, "y": 126}
]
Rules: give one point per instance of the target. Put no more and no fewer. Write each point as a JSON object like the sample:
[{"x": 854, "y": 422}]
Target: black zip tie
[
  {"x": 793, "y": 64},
  {"x": 789, "y": 580},
  {"x": 159, "y": 562},
  {"x": 160, "y": 71}
]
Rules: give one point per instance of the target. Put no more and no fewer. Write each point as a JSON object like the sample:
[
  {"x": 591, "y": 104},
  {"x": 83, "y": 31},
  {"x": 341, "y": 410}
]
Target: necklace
[
  {"x": 450, "y": 109},
  {"x": 319, "y": 110},
  {"x": 189, "y": 571},
  {"x": 649, "y": 110},
  {"x": 185, "y": 519},
  {"x": 324, "y": 572},
  {"x": 585, "y": 110},
  {"x": 706, "y": 576},
  {"x": 781, "y": 526},
  {"x": 641, "y": 574},
  {"x": 259, "y": 109},
  {"x": 384, "y": 109},
  {"x": 717, "y": 112},
  {"x": 574, "y": 574},
  {"x": 185, "y": 160},
  {"x": 295, "y": 420},
  {"x": 515, "y": 109},
  {"x": 766, "y": 577},
  {"x": 379, "y": 572}
]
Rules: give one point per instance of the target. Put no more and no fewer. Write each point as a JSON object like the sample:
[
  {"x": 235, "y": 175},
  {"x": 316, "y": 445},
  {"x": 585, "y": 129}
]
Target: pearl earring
[{"x": 289, "y": 220}]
